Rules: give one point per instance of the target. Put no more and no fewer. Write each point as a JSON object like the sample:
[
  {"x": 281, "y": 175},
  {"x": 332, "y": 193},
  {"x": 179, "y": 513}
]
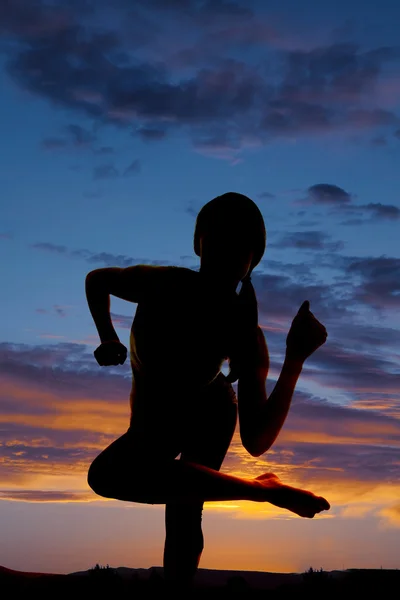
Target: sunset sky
[{"x": 117, "y": 125}]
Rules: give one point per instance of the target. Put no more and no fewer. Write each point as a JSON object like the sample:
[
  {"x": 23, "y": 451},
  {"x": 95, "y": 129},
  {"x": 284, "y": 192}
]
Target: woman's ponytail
[{"x": 246, "y": 323}]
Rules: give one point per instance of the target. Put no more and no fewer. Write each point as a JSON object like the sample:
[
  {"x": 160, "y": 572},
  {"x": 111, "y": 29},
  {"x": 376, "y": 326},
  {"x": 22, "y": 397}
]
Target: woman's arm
[
  {"x": 98, "y": 298},
  {"x": 131, "y": 284},
  {"x": 261, "y": 418}
]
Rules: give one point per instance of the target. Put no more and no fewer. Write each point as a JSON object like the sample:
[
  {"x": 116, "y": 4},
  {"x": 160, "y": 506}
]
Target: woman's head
[
  {"x": 230, "y": 238},
  {"x": 230, "y": 235}
]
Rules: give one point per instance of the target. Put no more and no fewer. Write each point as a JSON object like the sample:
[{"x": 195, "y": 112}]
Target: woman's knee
[
  {"x": 130, "y": 482},
  {"x": 97, "y": 480},
  {"x": 103, "y": 472}
]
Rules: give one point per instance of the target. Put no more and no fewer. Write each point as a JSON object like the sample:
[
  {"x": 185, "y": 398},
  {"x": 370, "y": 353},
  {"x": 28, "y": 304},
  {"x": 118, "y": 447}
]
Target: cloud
[
  {"x": 80, "y": 136},
  {"x": 376, "y": 211},
  {"x": 36, "y": 454},
  {"x": 370, "y": 282},
  {"x": 382, "y": 211},
  {"x": 200, "y": 11},
  {"x": 56, "y": 405},
  {"x": 340, "y": 200},
  {"x": 218, "y": 148},
  {"x": 50, "y": 247},
  {"x": 319, "y": 460},
  {"x": 146, "y": 77},
  {"x": 308, "y": 240},
  {"x": 192, "y": 211},
  {"x": 108, "y": 171},
  {"x": 266, "y": 195},
  {"x": 121, "y": 321},
  {"x": 392, "y": 514},
  {"x": 133, "y": 168},
  {"x": 105, "y": 258},
  {"x": 45, "y": 496},
  {"x": 352, "y": 370},
  {"x": 349, "y": 455},
  {"x": 341, "y": 70},
  {"x": 151, "y": 134},
  {"x": 380, "y": 281},
  {"x": 59, "y": 310},
  {"x": 292, "y": 270},
  {"x": 367, "y": 335},
  {"x": 280, "y": 293},
  {"x": 326, "y": 193},
  {"x": 76, "y": 137},
  {"x": 57, "y": 408},
  {"x": 48, "y": 365},
  {"x": 23, "y": 18}
]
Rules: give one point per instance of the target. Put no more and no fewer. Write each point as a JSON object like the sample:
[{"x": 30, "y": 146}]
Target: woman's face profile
[{"x": 226, "y": 253}]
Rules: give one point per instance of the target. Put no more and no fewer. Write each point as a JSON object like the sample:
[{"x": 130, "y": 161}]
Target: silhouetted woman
[{"x": 183, "y": 408}]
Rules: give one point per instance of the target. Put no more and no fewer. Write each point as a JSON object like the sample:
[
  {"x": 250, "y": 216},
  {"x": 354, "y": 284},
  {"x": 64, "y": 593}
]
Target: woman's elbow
[
  {"x": 254, "y": 449},
  {"x": 255, "y": 452}
]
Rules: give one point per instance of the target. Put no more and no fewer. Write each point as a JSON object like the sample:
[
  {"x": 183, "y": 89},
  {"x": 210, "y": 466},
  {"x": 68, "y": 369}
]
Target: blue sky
[{"x": 118, "y": 125}]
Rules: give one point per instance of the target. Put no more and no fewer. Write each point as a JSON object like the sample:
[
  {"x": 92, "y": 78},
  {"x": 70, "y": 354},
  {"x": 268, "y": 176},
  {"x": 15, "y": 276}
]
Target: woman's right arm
[{"x": 128, "y": 284}]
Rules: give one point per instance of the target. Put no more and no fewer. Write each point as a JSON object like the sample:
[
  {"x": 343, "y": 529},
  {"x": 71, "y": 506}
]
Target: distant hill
[
  {"x": 205, "y": 578},
  {"x": 4, "y": 572},
  {"x": 215, "y": 577}
]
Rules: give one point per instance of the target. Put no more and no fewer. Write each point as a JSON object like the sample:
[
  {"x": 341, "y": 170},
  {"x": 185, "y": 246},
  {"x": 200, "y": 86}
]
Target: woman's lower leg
[
  {"x": 175, "y": 481},
  {"x": 183, "y": 543},
  {"x": 180, "y": 481}
]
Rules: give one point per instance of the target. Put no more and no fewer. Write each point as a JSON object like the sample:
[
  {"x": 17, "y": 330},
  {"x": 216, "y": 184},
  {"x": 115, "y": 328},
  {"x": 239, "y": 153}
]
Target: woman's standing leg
[{"x": 208, "y": 438}]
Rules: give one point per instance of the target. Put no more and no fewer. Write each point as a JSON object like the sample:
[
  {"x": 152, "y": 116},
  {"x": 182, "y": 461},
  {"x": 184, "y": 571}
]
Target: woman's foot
[{"x": 301, "y": 502}]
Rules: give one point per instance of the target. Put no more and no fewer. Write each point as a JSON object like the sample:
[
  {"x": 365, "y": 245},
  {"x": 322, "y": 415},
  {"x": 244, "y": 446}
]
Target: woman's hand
[
  {"x": 306, "y": 334},
  {"x": 111, "y": 353}
]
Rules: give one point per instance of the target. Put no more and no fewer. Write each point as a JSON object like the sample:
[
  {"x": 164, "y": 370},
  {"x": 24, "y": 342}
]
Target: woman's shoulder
[
  {"x": 175, "y": 273},
  {"x": 163, "y": 278}
]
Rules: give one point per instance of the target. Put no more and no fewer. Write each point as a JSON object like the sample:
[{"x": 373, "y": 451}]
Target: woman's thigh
[
  {"x": 126, "y": 470},
  {"x": 202, "y": 436},
  {"x": 211, "y": 426},
  {"x": 207, "y": 438}
]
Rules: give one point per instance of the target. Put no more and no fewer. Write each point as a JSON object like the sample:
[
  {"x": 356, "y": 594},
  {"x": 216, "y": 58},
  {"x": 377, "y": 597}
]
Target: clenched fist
[
  {"x": 306, "y": 334},
  {"x": 111, "y": 353}
]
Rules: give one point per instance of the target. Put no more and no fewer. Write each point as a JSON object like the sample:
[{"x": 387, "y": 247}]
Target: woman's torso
[{"x": 180, "y": 338}]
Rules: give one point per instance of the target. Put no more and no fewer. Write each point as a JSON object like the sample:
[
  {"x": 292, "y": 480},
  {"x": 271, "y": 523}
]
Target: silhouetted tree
[
  {"x": 105, "y": 573},
  {"x": 315, "y": 577}
]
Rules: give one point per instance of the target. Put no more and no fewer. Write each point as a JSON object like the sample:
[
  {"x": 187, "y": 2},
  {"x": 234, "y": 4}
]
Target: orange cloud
[
  {"x": 391, "y": 515},
  {"x": 55, "y": 432}
]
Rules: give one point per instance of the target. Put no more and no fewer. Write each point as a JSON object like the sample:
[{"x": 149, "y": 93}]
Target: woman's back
[{"x": 181, "y": 331}]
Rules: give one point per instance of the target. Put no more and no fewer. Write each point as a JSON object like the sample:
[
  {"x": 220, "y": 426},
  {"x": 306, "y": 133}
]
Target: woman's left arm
[{"x": 261, "y": 417}]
